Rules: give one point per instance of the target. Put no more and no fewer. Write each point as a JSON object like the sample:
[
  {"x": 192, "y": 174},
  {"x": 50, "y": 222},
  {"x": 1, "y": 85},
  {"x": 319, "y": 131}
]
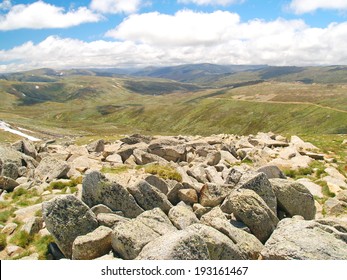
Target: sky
[{"x": 139, "y": 33}]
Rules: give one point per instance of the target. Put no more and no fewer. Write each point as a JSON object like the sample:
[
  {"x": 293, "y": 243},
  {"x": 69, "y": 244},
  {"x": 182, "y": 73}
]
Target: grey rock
[
  {"x": 198, "y": 172},
  {"x": 247, "y": 243},
  {"x": 294, "y": 198},
  {"x": 92, "y": 245},
  {"x": 212, "y": 194},
  {"x": 200, "y": 210},
  {"x": 334, "y": 206},
  {"x": 66, "y": 217},
  {"x": 7, "y": 184},
  {"x": 220, "y": 247},
  {"x": 213, "y": 158},
  {"x": 157, "y": 221},
  {"x": 251, "y": 209},
  {"x": 175, "y": 153},
  {"x": 305, "y": 240},
  {"x": 234, "y": 176},
  {"x": 10, "y": 170},
  {"x": 149, "y": 197},
  {"x": 8, "y": 154},
  {"x": 96, "y": 146},
  {"x": 213, "y": 176},
  {"x": 110, "y": 220},
  {"x": 259, "y": 183},
  {"x": 342, "y": 196},
  {"x": 181, "y": 245},
  {"x": 51, "y": 168},
  {"x": 33, "y": 225},
  {"x": 157, "y": 182},
  {"x": 188, "y": 196},
  {"x": 272, "y": 171},
  {"x": 9, "y": 228},
  {"x": 129, "y": 238},
  {"x": 100, "y": 208},
  {"x": 29, "y": 149},
  {"x": 182, "y": 217},
  {"x": 97, "y": 190}
]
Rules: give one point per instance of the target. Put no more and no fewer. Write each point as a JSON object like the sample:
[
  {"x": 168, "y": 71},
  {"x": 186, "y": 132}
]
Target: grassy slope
[{"x": 105, "y": 106}]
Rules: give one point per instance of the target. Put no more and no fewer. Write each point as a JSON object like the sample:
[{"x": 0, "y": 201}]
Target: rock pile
[{"x": 219, "y": 197}]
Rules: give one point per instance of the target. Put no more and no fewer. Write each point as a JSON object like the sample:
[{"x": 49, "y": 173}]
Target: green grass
[
  {"x": 3, "y": 242},
  {"x": 41, "y": 245},
  {"x": 5, "y": 215},
  {"x": 116, "y": 170},
  {"x": 22, "y": 239},
  {"x": 163, "y": 171}
]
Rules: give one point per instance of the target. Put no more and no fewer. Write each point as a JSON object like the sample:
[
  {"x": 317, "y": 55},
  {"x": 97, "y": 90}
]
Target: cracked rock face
[{"x": 306, "y": 240}]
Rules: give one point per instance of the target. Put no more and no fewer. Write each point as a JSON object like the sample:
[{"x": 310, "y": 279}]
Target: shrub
[{"x": 115, "y": 170}]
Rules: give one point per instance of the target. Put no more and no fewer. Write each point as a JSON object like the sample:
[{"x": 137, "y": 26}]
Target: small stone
[{"x": 188, "y": 196}]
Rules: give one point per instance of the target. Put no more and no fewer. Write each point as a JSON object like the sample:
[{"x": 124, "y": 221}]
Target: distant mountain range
[{"x": 202, "y": 74}]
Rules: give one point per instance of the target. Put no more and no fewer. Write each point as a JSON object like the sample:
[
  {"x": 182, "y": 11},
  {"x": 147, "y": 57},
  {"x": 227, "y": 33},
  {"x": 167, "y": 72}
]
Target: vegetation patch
[
  {"x": 163, "y": 171},
  {"x": 115, "y": 170},
  {"x": 21, "y": 239},
  {"x": 3, "y": 242},
  {"x": 41, "y": 245}
]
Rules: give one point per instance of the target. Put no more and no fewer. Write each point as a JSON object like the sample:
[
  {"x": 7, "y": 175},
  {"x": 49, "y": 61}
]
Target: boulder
[
  {"x": 181, "y": 245},
  {"x": 247, "y": 243},
  {"x": 213, "y": 176},
  {"x": 114, "y": 158},
  {"x": 314, "y": 189},
  {"x": 149, "y": 197},
  {"x": 98, "y": 190},
  {"x": 188, "y": 196},
  {"x": 293, "y": 198},
  {"x": 335, "y": 207},
  {"x": 28, "y": 148},
  {"x": 110, "y": 220},
  {"x": 9, "y": 228},
  {"x": 7, "y": 184},
  {"x": 100, "y": 208},
  {"x": 213, "y": 158},
  {"x": 198, "y": 172},
  {"x": 182, "y": 217},
  {"x": 170, "y": 153},
  {"x": 220, "y": 247},
  {"x": 130, "y": 237},
  {"x": 92, "y": 245},
  {"x": 158, "y": 183},
  {"x": 10, "y": 170},
  {"x": 66, "y": 217},
  {"x": 251, "y": 209},
  {"x": 212, "y": 194},
  {"x": 259, "y": 183},
  {"x": 157, "y": 221},
  {"x": 96, "y": 146},
  {"x": 33, "y": 225},
  {"x": 51, "y": 168},
  {"x": 8, "y": 154},
  {"x": 272, "y": 171},
  {"x": 297, "y": 239}
]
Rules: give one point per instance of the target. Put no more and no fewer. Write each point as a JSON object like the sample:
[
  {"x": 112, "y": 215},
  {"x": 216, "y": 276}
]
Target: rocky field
[{"x": 222, "y": 197}]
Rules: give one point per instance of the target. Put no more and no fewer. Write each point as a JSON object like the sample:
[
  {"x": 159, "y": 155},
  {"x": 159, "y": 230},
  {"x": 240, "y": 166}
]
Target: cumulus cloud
[
  {"x": 307, "y": 6},
  {"x": 159, "y": 39},
  {"x": 115, "y": 6},
  {"x": 5, "y": 5},
  {"x": 210, "y": 2},
  {"x": 40, "y": 15}
]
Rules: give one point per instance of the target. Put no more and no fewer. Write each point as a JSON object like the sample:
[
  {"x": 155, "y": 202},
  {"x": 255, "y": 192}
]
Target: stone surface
[
  {"x": 100, "y": 208},
  {"x": 272, "y": 171},
  {"x": 157, "y": 220},
  {"x": 251, "y": 209},
  {"x": 66, "y": 217},
  {"x": 305, "y": 240},
  {"x": 10, "y": 170},
  {"x": 247, "y": 243},
  {"x": 33, "y": 225},
  {"x": 182, "y": 217},
  {"x": 130, "y": 237},
  {"x": 181, "y": 245},
  {"x": 220, "y": 247},
  {"x": 9, "y": 228},
  {"x": 149, "y": 197},
  {"x": 294, "y": 198},
  {"x": 259, "y": 183},
  {"x": 51, "y": 168},
  {"x": 314, "y": 189},
  {"x": 96, "y": 146},
  {"x": 188, "y": 196},
  {"x": 97, "y": 190},
  {"x": 110, "y": 220},
  {"x": 92, "y": 245},
  {"x": 7, "y": 184},
  {"x": 212, "y": 194},
  {"x": 158, "y": 183}
]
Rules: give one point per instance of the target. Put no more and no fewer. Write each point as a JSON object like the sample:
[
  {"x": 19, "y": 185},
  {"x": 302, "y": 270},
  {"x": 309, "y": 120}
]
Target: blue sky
[{"x": 128, "y": 33}]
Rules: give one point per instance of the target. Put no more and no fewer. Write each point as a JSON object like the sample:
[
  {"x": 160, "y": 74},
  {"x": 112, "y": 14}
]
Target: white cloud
[
  {"x": 210, "y": 2},
  {"x": 40, "y": 15},
  {"x": 5, "y": 5},
  {"x": 188, "y": 37},
  {"x": 115, "y": 6},
  {"x": 307, "y": 6}
]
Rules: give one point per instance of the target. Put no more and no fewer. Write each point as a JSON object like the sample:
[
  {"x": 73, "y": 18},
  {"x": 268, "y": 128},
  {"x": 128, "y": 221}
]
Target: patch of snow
[{"x": 6, "y": 127}]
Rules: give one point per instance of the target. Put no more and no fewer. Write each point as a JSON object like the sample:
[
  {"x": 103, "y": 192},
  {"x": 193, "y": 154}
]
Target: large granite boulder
[
  {"x": 51, "y": 168},
  {"x": 66, "y": 217},
  {"x": 297, "y": 239}
]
